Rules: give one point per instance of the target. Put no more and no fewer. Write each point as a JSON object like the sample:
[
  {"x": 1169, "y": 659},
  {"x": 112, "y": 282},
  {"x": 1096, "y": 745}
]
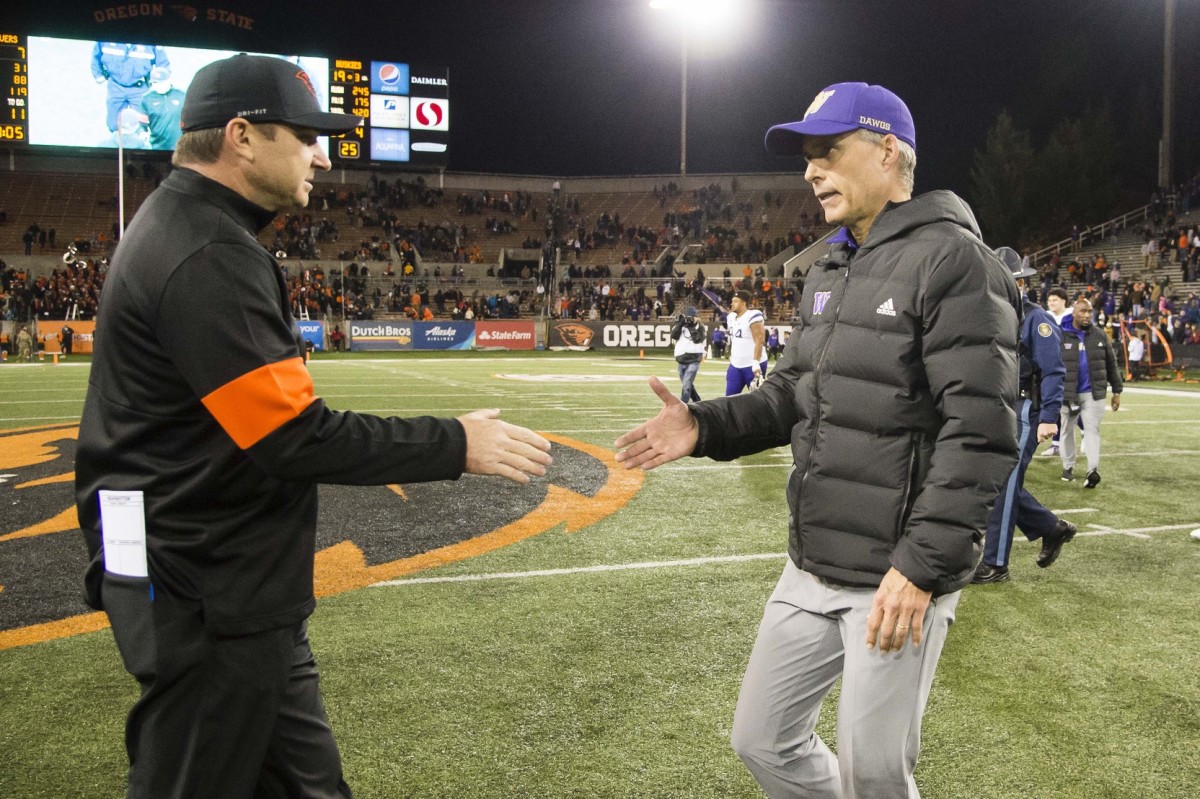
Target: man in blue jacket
[
  {"x": 125, "y": 67},
  {"x": 1038, "y": 407}
]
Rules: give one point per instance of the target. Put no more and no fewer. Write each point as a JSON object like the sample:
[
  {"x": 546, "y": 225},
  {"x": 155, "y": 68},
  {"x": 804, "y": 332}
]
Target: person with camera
[{"x": 691, "y": 341}]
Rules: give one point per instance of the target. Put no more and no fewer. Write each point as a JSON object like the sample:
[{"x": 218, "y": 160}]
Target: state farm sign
[{"x": 504, "y": 335}]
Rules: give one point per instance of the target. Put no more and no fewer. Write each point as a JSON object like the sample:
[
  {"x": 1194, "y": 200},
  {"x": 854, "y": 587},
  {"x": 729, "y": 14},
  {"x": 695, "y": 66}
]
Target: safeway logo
[{"x": 430, "y": 114}]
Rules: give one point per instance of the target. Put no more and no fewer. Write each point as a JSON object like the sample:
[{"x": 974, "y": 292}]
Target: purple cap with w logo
[{"x": 841, "y": 108}]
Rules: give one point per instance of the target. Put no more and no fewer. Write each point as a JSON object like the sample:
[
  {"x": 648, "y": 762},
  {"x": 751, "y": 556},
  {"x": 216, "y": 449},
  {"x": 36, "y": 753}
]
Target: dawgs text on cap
[
  {"x": 841, "y": 108},
  {"x": 259, "y": 89}
]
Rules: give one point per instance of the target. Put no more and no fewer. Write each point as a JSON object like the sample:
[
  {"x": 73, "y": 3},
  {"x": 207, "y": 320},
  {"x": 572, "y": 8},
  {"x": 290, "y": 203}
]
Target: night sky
[{"x": 592, "y": 87}]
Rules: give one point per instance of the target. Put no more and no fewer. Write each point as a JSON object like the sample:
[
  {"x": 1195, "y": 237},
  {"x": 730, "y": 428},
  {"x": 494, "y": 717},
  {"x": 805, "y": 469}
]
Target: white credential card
[{"x": 123, "y": 519}]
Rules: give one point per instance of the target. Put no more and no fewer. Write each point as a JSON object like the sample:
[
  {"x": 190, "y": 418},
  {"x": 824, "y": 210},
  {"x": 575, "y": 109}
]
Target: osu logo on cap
[
  {"x": 389, "y": 74},
  {"x": 302, "y": 76}
]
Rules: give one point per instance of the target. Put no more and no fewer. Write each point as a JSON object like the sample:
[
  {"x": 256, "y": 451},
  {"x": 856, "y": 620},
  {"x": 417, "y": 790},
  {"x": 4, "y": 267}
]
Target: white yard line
[
  {"x": 1099, "y": 530},
  {"x": 662, "y": 564}
]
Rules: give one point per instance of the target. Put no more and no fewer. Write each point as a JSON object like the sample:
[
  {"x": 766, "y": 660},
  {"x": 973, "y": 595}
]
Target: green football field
[{"x": 586, "y": 636}]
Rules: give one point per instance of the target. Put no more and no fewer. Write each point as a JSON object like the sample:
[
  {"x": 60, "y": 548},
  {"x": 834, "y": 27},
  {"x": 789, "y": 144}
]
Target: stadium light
[{"x": 693, "y": 16}]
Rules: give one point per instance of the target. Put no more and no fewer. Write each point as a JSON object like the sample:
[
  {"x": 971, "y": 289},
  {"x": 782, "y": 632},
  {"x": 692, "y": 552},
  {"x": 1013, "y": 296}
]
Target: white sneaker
[
  {"x": 1051, "y": 452},
  {"x": 1196, "y": 534}
]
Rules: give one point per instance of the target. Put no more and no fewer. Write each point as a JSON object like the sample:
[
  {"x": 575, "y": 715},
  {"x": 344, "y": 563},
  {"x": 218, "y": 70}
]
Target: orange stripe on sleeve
[{"x": 256, "y": 404}]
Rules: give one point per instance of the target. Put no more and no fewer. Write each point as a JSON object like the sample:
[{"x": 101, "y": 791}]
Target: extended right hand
[
  {"x": 500, "y": 448},
  {"x": 667, "y": 437}
]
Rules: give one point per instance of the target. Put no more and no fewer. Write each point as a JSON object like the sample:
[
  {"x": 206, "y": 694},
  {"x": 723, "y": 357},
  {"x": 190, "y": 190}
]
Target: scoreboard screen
[{"x": 92, "y": 94}]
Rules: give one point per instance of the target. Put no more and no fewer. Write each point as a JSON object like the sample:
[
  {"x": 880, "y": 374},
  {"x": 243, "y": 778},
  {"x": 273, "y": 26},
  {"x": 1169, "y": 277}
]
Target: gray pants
[
  {"x": 1092, "y": 411},
  {"x": 812, "y": 633}
]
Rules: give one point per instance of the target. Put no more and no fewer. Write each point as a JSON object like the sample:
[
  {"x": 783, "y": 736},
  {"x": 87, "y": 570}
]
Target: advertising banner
[
  {"x": 50, "y": 335},
  {"x": 367, "y": 335},
  {"x": 567, "y": 333},
  {"x": 610, "y": 335},
  {"x": 505, "y": 335},
  {"x": 314, "y": 332},
  {"x": 443, "y": 335}
]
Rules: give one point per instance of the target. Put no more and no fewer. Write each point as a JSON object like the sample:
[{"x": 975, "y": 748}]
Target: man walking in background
[
  {"x": 747, "y": 344},
  {"x": 1038, "y": 404},
  {"x": 1091, "y": 368}
]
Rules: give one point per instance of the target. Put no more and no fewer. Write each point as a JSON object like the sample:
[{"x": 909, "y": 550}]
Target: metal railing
[{"x": 1092, "y": 234}]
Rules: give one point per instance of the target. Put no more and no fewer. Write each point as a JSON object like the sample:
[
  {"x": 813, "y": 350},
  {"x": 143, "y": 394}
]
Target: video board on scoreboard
[{"x": 92, "y": 94}]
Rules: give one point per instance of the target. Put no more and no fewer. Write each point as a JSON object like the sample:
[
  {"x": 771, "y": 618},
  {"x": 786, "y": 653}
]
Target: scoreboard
[
  {"x": 14, "y": 125},
  {"x": 406, "y": 111},
  {"x": 93, "y": 94}
]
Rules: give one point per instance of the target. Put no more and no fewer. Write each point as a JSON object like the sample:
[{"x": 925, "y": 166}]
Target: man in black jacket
[
  {"x": 198, "y": 460},
  {"x": 895, "y": 392},
  {"x": 1091, "y": 368}
]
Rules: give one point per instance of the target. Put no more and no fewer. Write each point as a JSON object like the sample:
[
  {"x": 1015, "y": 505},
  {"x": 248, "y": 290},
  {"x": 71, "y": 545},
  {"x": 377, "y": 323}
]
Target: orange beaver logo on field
[{"x": 365, "y": 534}]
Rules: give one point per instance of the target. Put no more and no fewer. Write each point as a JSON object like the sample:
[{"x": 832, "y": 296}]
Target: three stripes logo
[{"x": 887, "y": 308}]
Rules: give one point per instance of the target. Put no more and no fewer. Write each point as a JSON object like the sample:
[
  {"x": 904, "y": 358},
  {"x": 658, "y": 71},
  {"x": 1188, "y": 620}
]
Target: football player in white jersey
[{"x": 747, "y": 344}]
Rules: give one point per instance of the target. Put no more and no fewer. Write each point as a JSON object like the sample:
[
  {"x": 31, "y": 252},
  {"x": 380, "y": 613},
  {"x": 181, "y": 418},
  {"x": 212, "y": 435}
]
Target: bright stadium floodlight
[{"x": 698, "y": 16}]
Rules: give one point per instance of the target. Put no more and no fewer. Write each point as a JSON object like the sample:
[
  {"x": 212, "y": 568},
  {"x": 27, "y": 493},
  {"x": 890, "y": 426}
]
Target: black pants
[{"x": 235, "y": 717}]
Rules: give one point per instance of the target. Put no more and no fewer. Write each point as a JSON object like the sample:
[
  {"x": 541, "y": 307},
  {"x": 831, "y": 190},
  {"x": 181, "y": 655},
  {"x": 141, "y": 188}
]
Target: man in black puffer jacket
[{"x": 895, "y": 392}]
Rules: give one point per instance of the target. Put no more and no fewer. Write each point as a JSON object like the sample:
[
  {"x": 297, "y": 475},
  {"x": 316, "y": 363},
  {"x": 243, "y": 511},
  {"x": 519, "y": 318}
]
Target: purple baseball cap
[{"x": 841, "y": 108}]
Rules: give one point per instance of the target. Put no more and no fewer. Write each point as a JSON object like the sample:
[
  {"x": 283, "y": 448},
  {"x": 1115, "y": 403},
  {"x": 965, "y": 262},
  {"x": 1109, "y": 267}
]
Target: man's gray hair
[{"x": 906, "y": 170}]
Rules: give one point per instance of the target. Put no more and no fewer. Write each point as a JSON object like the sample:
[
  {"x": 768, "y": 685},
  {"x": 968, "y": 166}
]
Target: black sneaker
[
  {"x": 1052, "y": 543},
  {"x": 987, "y": 573},
  {"x": 1093, "y": 479},
  {"x": 1068, "y": 475}
]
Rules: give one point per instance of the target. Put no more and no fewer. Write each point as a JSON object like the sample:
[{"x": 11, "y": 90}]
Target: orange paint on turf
[
  {"x": 38, "y": 633},
  {"x": 66, "y": 520},
  {"x": 342, "y": 567}
]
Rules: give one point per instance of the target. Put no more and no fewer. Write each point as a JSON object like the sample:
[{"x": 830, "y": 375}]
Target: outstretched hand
[
  {"x": 667, "y": 437},
  {"x": 500, "y": 448}
]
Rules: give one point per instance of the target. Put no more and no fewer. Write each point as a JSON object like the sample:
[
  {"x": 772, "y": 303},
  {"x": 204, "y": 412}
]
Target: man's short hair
[
  {"x": 906, "y": 170},
  {"x": 199, "y": 147},
  {"x": 743, "y": 295},
  {"x": 1061, "y": 293},
  {"x": 204, "y": 146}
]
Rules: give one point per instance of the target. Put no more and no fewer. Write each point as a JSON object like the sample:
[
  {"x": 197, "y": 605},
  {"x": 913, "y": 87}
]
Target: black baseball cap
[{"x": 258, "y": 89}]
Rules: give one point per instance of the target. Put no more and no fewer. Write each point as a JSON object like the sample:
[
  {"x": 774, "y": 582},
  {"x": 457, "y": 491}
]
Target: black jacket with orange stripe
[{"x": 199, "y": 397}]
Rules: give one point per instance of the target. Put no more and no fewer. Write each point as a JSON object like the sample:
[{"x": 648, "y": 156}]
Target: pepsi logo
[
  {"x": 430, "y": 114},
  {"x": 389, "y": 74}
]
